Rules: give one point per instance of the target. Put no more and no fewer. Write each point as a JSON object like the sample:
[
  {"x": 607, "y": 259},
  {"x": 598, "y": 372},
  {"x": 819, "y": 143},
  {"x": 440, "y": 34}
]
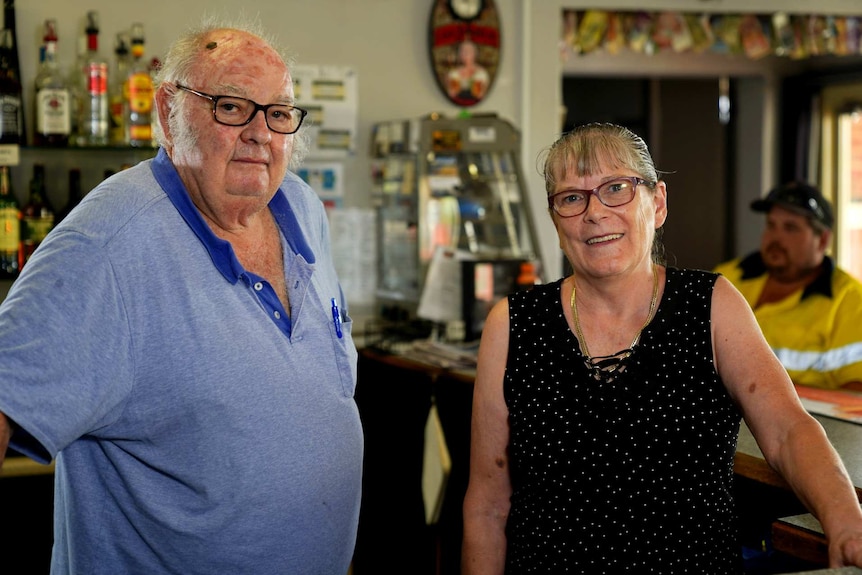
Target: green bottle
[
  {"x": 10, "y": 226},
  {"x": 37, "y": 216}
]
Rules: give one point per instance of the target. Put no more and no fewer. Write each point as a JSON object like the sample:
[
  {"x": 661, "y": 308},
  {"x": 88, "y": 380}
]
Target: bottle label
[
  {"x": 10, "y": 118},
  {"x": 141, "y": 93},
  {"x": 10, "y": 229},
  {"x": 53, "y": 112},
  {"x": 97, "y": 78},
  {"x": 96, "y": 116},
  {"x": 140, "y": 134}
]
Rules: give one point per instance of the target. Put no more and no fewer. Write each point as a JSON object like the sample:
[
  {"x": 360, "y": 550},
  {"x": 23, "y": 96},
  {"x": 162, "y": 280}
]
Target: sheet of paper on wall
[
  {"x": 325, "y": 178},
  {"x": 354, "y": 252},
  {"x": 330, "y": 94},
  {"x": 441, "y": 293}
]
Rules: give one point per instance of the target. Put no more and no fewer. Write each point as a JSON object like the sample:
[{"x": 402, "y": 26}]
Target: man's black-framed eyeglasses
[
  {"x": 236, "y": 111},
  {"x": 613, "y": 193}
]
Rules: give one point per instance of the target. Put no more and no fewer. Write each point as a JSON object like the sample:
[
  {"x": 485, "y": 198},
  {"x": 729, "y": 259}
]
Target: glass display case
[{"x": 451, "y": 184}]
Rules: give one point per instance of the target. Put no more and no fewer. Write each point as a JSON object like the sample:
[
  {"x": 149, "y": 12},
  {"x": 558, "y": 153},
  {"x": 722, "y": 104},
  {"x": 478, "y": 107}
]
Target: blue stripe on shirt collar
[{"x": 220, "y": 251}]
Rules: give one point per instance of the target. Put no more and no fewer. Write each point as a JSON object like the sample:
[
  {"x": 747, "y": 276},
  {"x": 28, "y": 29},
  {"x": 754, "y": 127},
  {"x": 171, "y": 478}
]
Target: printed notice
[{"x": 330, "y": 94}]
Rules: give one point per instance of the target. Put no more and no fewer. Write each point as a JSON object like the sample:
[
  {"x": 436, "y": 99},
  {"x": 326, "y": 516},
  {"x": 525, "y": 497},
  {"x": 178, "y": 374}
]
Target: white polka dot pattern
[{"x": 631, "y": 477}]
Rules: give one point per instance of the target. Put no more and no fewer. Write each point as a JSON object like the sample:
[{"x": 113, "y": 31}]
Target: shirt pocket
[{"x": 346, "y": 356}]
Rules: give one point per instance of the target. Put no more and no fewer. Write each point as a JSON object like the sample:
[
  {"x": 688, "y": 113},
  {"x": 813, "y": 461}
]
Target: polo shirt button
[
  {"x": 258, "y": 286},
  {"x": 277, "y": 314}
]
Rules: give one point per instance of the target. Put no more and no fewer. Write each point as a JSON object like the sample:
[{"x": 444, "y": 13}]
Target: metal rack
[{"x": 450, "y": 183}]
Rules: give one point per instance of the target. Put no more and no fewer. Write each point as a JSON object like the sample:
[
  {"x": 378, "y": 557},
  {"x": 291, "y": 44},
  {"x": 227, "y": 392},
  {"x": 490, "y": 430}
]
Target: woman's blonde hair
[{"x": 592, "y": 148}]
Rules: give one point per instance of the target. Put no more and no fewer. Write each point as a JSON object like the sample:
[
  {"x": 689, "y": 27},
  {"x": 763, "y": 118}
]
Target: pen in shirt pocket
[{"x": 336, "y": 318}]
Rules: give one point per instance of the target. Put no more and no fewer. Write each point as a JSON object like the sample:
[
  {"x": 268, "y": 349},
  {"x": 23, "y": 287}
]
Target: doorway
[{"x": 679, "y": 120}]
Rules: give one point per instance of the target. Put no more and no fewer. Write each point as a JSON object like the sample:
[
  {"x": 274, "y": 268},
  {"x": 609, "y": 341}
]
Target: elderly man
[
  {"x": 809, "y": 309},
  {"x": 181, "y": 345}
]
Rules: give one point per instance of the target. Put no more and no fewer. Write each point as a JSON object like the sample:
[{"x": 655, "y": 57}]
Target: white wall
[{"x": 386, "y": 41}]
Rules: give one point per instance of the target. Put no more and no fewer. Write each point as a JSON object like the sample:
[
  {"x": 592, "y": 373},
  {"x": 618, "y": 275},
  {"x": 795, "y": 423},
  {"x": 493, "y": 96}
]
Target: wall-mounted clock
[
  {"x": 466, "y": 9},
  {"x": 464, "y": 44}
]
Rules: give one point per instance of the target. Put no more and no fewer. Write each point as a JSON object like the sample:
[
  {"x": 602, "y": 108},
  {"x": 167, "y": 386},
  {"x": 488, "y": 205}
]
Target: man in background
[{"x": 809, "y": 309}]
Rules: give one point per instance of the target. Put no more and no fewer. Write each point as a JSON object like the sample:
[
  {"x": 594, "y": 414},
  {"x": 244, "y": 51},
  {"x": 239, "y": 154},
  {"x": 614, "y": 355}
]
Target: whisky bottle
[
  {"x": 96, "y": 114},
  {"x": 140, "y": 104},
  {"x": 11, "y": 110},
  {"x": 10, "y": 226},
  {"x": 13, "y": 129},
  {"x": 37, "y": 216},
  {"x": 53, "y": 100}
]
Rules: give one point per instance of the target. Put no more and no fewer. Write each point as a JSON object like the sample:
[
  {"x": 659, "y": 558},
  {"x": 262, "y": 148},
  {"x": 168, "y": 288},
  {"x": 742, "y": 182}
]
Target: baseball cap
[{"x": 799, "y": 197}]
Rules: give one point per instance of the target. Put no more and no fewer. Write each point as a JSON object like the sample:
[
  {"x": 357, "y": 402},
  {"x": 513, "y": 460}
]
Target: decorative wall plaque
[{"x": 464, "y": 43}]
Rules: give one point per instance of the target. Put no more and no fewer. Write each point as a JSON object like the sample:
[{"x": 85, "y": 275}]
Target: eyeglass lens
[
  {"x": 233, "y": 111},
  {"x": 612, "y": 194}
]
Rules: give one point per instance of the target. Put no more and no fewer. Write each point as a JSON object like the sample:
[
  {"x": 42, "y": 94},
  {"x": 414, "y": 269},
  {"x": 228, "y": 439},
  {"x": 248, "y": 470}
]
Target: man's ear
[
  {"x": 164, "y": 99},
  {"x": 825, "y": 240}
]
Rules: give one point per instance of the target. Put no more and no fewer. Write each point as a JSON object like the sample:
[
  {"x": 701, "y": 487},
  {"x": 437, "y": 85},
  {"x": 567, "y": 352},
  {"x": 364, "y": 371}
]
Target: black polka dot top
[{"x": 629, "y": 477}]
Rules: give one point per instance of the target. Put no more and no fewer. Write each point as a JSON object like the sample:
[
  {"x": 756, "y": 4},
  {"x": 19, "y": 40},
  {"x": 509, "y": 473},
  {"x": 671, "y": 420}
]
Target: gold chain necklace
[{"x": 607, "y": 367}]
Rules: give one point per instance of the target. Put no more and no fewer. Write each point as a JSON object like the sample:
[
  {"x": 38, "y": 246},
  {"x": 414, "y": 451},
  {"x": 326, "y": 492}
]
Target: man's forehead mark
[{"x": 212, "y": 45}]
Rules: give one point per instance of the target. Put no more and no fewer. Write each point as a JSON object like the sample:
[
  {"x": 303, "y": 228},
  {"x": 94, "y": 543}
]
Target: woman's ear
[{"x": 660, "y": 199}]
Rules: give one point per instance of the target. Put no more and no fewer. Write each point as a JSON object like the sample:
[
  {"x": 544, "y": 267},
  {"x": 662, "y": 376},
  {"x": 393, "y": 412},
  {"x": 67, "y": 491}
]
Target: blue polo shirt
[{"x": 196, "y": 427}]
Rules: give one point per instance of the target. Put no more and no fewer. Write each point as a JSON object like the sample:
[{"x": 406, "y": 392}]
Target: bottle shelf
[
  {"x": 151, "y": 150},
  {"x": 93, "y": 161}
]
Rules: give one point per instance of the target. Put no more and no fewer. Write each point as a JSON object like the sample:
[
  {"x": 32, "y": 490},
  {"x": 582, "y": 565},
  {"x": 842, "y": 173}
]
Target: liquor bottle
[
  {"x": 117, "y": 91},
  {"x": 140, "y": 103},
  {"x": 37, "y": 216},
  {"x": 53, "y": 101},
  {"x": 75, "y": 196},
  {"x": 155, "y": 66},
  {"x": 9, "y": 22},
  {"x": 12, "y": 134},
  {"x": 10, "y": 226},
  {"x": 96, "y": 114},
  {"x": 77, "y": 90},
  {"x": 11, "y": 110}
]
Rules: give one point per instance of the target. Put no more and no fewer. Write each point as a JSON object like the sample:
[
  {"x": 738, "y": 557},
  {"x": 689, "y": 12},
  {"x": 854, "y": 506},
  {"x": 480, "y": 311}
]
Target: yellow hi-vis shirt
[{"x": 815, "y": 332}]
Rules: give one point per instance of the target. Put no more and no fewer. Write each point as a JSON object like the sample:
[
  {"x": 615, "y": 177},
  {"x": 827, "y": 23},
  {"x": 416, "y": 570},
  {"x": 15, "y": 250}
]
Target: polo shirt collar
[
  {"x": 752, "y": 266},
  {"x": 220, "y": 251}
]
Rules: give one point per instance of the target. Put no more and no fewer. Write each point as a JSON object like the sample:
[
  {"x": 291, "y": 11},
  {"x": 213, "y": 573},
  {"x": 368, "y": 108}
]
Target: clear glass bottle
[
  {"x": 10, "y": 226},
  {"x": 37, "y": 216},
  {"x": 53, "y": 101},
  {"x": 117, "y": 91},
  {"x": 77, "y": 90},
  {"x": 96, "y": 113},
  {"x": 155, "y": 66},
  {"x": 140, "y": 104}
]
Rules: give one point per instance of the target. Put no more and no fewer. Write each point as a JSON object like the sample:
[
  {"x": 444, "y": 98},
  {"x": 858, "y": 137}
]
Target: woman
[{"x": 607, "y": 403}]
